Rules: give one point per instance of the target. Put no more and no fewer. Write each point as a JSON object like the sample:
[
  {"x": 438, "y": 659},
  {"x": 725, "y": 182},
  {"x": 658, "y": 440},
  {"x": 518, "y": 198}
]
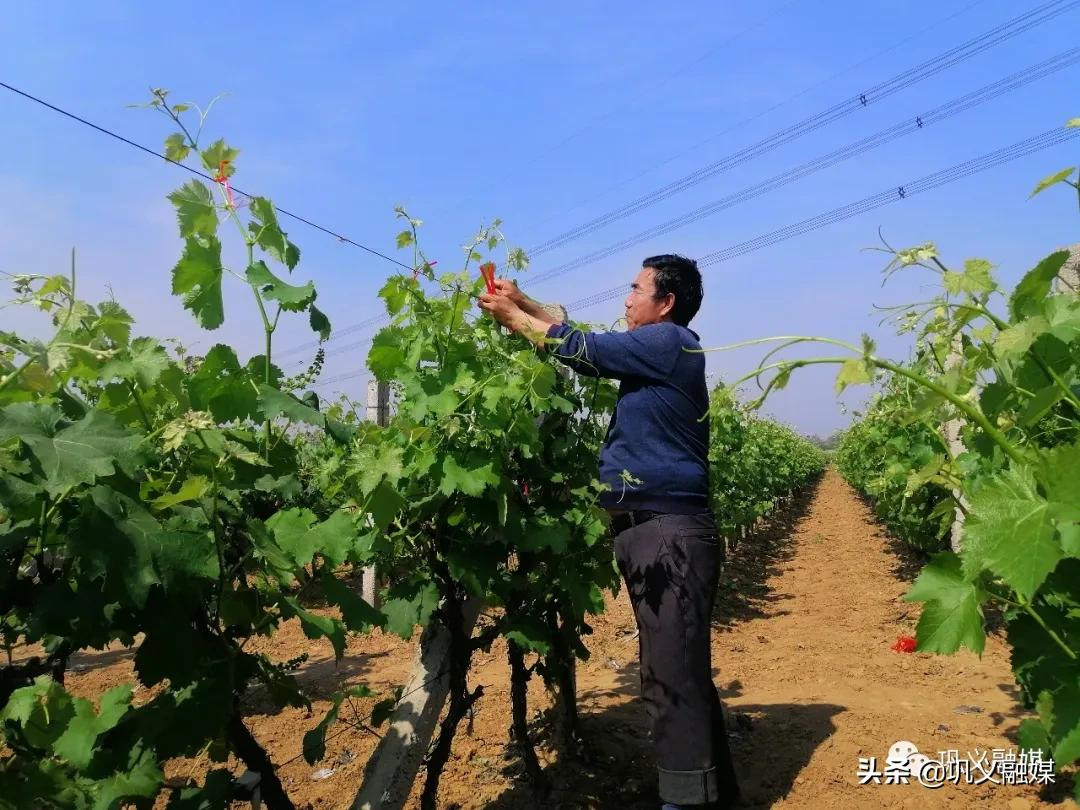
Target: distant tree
[{"x": 830, "y": 442}]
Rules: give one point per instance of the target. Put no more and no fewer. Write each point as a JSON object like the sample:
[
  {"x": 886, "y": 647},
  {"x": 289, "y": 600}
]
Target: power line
[
  {"x": 635, "y": 99},
  {"x": 339, "y": 378},
  {"x": 772, "y": 108},
  {"x": 954, "y": 56},
  {"x": 960, "y": 53},
  {"x": 908, "y": 126},
  {"x": 893, "y": 194},
  {"x": 204, "y": 175},
  {"x": 374, "y": 320}
]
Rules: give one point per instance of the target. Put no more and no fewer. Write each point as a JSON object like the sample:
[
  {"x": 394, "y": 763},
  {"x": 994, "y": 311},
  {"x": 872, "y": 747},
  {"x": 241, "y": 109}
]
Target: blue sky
[{"x": 545, "y": 116}]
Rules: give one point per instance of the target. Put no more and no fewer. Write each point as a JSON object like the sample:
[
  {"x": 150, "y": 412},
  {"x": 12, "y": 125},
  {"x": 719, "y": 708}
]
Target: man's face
[{"x": 642, "y": 305}]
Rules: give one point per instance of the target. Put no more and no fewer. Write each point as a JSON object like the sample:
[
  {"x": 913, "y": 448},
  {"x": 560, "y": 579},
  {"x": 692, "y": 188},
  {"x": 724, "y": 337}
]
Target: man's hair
[{"x": 679, "y": 275}]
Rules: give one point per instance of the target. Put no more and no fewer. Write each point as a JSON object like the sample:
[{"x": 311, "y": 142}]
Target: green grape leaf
[
  {"x": 383, "y": 711},
  {"x": 1059, "y": 711},
  {"x": 544, "y": 382},
  {"x": 466, "y": 480},
  {"x": 477, "y": 566},
  {"x": 386, "y": 355},
  {"x": 216, "y": 791},
  {"x": 1032, "y": 736},
  {"x": 374, "y": 463},
  {"x": 274, "y": 403},
  {"x": 1038, "y": 406},
  {"x": 384, "y": 504},
  {"x": 975, "y": 278},
  {"x": 183, "y": 557},
  {"x": 340, "y": 432},
  {"x": 268, "y": 234},
  {"x": 951, "y": 615},
  {"x": 195, "y": 210},
  {"x": 1018, "y": 338},
  {"x": 1010, "y": 531},
  {"x": 141, "y": 780},
  {"x": 314, "y": 746},
  {"x": 1037, "y": 663},
  {"x": 585, "y": 595},
  {"x": 15, "y": 493},
  {"x": 358, "y": 615},
  {"x": 292, "y": 533},
  {"x": 114, "y": 322},
  {"x": 1028, "y": 295},
  {"x": 553, "y": 535},
  {"x": 266, "y": 548},
  {"x": 256, "y": 368},
  {"x": 395, "y": 292},
  {"x": 529, "y": 634},
  {"x": 117, "y": 539},
  {"x": 176, "y": 147},
  {"x": 852, "y": 372},
  {"x": 197, "y": 277},
  {"x": 316, "y": 626},
  {"x": 1063, "y": 316},
  {"x": 319, "y": 323},
  {"x": 408, "y": 604},
  {"x": 222, "y": 387},
  {"x": 79, "y": 741},
  {"x": 43, "y": 711},
  {"x": 291, "y": 297},
  {"x": 143, "y": 363},
  {"x": 301, "y": 535},
  {"x": 77, "y": 453},
  {"x": 1052, "y": 180},
  {"x": 1059, "y": 472},
  {"x": 404, "y": 239},
  {"x": 219, "y": 153}
]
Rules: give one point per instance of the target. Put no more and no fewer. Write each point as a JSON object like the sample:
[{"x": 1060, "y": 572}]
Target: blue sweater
[{"x": 657, "y": 432}]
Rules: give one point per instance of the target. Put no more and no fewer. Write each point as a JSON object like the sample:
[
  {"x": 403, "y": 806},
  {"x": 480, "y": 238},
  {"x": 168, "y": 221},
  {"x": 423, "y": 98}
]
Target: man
[{"x": 655, "y": 463}]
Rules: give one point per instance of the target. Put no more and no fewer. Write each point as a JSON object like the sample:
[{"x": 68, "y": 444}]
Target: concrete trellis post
[
  {"x": 393, "y": 766},
  {"x": 378, "y": 402},
  {"x": 1068, "y": 279},
  {"x": 378, "y": 411}
]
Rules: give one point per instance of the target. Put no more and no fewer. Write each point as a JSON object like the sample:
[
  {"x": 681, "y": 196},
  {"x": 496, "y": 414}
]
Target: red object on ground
[
  {"x": 487, "y": 270},
  {"x": 904, "y": 644}
]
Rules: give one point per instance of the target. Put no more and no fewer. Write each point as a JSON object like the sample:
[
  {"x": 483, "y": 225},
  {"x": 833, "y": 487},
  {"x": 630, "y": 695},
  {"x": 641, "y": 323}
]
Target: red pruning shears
[{"x": 487, "y": 270}]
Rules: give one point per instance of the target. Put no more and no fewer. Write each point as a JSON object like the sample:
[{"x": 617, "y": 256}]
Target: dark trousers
[{"x": 671, "y": 565}]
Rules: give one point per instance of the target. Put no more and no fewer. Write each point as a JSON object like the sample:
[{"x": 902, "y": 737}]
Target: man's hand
[
  {"x": 502, "y": 306},
  {"x": 527, "y": 305},
  {"x": 509, "y": 289},
  {"x": 505, "y": 311}
]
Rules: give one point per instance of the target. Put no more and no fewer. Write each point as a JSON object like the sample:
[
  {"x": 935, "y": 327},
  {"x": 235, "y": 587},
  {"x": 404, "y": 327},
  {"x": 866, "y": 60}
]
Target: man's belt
[{"x": 621, "y": 521}]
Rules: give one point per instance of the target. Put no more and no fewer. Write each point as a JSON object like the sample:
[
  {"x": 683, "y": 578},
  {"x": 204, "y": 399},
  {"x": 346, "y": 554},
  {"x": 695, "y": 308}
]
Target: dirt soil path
[{"x": 809, "y": 607}]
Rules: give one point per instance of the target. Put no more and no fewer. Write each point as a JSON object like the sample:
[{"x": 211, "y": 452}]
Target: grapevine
[{"x": 1004, "y": 363}]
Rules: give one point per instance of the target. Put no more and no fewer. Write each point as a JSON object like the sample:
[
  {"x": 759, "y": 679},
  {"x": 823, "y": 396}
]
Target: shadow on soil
[
  {"x": 771, "y": 744},
  {"x": 909, "y": 561},
  {"x": 319, "y": 679}
]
